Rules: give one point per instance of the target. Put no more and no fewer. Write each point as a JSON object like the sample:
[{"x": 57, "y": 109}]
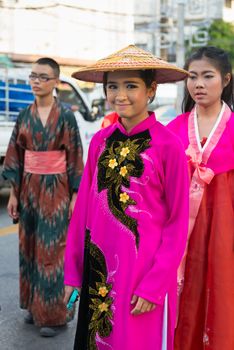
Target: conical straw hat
[{"x": 131, "y": 58}]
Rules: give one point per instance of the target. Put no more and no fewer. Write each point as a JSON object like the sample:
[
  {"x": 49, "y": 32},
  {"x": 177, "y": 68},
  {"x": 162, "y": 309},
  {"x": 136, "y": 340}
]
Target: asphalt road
[
  {"x": 4, "y": 218},
  {"x": 14, "y": 333}
]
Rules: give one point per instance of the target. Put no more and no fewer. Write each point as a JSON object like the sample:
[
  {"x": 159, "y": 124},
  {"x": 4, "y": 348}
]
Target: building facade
[
  {"x": 83, "y": 29},
  {"x": 156, "y": 23}
]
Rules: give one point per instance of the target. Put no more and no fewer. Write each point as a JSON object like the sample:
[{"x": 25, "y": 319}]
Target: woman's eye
[
  {"x": 111, "y": 86},
  {"x": 131, "y": 86},
  {"x": 192, "y": 77},
  {"x": 208, "y": 76}
]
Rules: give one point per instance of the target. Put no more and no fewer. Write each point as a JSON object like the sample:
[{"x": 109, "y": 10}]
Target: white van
[{"x": 16, "y": 94}]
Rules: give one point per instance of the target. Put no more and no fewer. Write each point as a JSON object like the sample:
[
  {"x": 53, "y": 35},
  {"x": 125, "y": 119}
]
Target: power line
[{"x": 35, "y": 8}]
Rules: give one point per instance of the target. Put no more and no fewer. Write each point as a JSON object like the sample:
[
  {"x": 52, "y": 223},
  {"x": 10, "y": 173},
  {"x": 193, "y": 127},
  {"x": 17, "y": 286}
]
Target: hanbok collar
[
  {"x": 142, "y": 126},
  {"x": 214, "y": 135},
  {"x": 202, "y": 149}
]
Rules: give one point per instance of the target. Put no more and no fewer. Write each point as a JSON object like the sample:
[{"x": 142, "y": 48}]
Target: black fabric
[
  {"x": 95, "y": 313},
  {"x": 81, "y": 337}
]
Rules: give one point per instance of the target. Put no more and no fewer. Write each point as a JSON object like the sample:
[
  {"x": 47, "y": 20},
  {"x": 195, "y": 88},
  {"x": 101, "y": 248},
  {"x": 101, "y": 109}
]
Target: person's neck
[
  {"x": 129, "y": 124},
  {"x": 45, "y": 101},
  {"x": 209, "y": 112}
]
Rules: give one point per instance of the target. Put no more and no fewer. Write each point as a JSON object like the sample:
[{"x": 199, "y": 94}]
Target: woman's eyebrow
[
  {"x": 125, "y": 82},
  {"x": 204, "y": 72}
]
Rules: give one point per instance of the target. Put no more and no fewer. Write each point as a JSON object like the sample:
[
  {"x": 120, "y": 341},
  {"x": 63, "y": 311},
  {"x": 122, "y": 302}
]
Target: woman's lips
[{"x": 200, "y": 93}]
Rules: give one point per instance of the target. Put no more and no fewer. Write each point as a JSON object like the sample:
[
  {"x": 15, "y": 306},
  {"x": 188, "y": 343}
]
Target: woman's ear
[
  {"x": 227, "y": 79},
  {"x": 153, "y": 89},
  {"x": 152, "y": 92}
]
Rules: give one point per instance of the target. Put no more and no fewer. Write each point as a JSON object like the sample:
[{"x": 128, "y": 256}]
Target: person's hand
[
  {"x": 67, "y": 293},
  {"x": 142, "y": 305},
  {"x": 72, "y": 205},
  {"x": 12, "y": 207}
]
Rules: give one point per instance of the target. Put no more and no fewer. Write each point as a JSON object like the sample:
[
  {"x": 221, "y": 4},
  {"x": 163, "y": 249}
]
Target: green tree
[{"x": 221, "y": 35}]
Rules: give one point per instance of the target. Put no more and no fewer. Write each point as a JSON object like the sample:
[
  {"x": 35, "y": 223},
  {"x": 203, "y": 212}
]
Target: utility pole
[
  {"x": 180, "y": 50},
  {"x": 156, "y": 8}
]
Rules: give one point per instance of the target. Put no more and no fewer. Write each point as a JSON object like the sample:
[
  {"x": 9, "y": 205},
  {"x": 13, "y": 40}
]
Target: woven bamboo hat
[{"x": 131, "y": 58}]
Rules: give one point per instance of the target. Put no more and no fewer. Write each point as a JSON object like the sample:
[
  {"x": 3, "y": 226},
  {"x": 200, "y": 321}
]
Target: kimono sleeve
[
  {"x": 162, "y": 276},
  {"x": 74, "y": 152},
  {"x": 14, "y": 161},
  {"x": 74, "y": 253}
]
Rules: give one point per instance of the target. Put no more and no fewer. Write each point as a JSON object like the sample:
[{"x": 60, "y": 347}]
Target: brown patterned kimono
[{"x": 43, "y": 206}]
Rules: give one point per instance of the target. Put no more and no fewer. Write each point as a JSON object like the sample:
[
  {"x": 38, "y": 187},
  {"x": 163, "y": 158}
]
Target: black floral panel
[
  {"x": 120, "y": 161},
  {"x": 95, "y": 314}
]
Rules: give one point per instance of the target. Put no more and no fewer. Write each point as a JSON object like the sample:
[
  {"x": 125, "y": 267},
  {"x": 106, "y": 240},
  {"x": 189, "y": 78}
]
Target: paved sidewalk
[{"x": 14, "y": 334}]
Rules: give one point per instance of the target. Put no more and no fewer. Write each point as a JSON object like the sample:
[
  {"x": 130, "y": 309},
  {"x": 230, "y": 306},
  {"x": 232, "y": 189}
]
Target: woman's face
[
  {"x": 128, "y": 95},
  {"x": 205, "y": 83}
]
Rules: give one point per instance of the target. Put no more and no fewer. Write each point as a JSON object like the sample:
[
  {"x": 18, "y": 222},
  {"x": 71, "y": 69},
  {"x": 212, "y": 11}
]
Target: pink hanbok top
[
  {"x": 205, "y": 161},
  {"x": 127, "y": 236}
]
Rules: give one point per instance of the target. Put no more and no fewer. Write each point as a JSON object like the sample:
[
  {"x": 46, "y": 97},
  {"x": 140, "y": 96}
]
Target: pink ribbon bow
[{"x": 201, "y": 172}]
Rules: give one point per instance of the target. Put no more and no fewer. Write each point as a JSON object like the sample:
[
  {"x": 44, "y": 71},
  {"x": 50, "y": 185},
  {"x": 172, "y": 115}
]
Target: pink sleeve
[
  {"x": 74, "y": 253},
  {"x": 158, "y": 281}
]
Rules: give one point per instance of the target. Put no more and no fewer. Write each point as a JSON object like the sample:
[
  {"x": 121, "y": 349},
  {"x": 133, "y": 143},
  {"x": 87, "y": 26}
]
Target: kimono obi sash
[{"x": 44, "y": 163}]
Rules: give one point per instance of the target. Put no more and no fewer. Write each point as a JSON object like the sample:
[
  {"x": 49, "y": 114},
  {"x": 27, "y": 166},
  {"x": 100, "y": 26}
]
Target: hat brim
[{"x": 162, "y": 75}]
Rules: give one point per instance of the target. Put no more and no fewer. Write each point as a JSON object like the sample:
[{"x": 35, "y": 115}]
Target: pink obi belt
[{"x": 43, "y": 163}]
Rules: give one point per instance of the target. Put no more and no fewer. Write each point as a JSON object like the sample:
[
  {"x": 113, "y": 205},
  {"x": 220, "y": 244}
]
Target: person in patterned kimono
[
  {"x": 129, "y": 226},
  {"x": 44, "y": 165},
  {"x": 205, "y": 276}
]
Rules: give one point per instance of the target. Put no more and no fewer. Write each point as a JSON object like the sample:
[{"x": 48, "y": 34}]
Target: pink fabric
[
  {"x": 161, "y": 194},
  {"x": 48, "y": 162},
  {"x": 221, "y": 159},
  {"x": 198, "y": 160}
]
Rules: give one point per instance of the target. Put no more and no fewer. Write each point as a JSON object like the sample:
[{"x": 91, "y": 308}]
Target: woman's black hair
[
  {"x": 220, "y": 60},
  {"x": 147, "y": 75}
]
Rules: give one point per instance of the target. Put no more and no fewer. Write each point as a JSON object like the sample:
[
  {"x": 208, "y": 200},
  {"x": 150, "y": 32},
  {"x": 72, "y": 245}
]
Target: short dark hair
[
  {"x": 147, "y": 75},
  {"x": 50, "y": 62},
  {"x": 221, "y": 61}
]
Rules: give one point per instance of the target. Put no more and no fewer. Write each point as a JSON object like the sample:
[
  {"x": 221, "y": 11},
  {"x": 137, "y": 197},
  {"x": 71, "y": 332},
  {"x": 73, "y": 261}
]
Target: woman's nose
[
  {"x": 199, "y": 82},
  {"x": 121, "y": 94}
]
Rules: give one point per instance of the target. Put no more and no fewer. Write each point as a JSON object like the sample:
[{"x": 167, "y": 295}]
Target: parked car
[{"x": 16, "y": 94}]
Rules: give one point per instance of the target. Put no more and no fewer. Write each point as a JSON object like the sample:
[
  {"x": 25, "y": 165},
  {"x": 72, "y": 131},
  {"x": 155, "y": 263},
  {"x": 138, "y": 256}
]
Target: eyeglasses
[{"x": 40, "y": 77}]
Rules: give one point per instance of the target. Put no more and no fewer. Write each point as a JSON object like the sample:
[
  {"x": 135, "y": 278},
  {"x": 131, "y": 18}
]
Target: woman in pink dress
[
  {"x": 206, "y": 278},
  {"x": 129, "y": 227}
]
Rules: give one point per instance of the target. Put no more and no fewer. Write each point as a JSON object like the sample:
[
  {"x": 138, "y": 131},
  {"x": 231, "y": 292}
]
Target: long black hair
[{"x": 220, "y": 60}]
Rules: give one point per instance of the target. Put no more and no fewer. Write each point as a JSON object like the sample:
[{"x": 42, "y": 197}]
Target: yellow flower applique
[
  {"x": 103, "y": 291},
  {"x": 123, "y": 171},
  {"x": 123, "y": 197},
  {"x": 112, "y": 163},
  {"x": 124, "y": 152},
  {"x": 103, "y": 307}
]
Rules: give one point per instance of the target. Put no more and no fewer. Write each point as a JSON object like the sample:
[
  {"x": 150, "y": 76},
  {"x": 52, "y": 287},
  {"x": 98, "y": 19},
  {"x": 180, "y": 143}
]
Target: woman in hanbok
[
  {"x": 129, "y": 226},
  {"x": 205, "y": 276}
]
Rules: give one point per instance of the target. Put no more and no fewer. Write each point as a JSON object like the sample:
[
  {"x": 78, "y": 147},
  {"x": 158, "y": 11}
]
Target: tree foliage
[{"x": 221, "y": 35}]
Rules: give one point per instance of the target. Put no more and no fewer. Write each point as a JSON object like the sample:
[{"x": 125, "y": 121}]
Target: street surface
[{"x": 14, "y": 333}]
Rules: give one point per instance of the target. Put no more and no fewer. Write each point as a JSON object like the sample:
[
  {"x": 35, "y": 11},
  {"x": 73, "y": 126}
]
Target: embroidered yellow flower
[
  {"x": 123, "y": 197},
  {"x": 124, "y": 152},
  {"x": 112, "y": 163},
  {"x": 103, "y": 307},
  {"x": 123, "y": 171},
  {"x": 103, "y": 291}
]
